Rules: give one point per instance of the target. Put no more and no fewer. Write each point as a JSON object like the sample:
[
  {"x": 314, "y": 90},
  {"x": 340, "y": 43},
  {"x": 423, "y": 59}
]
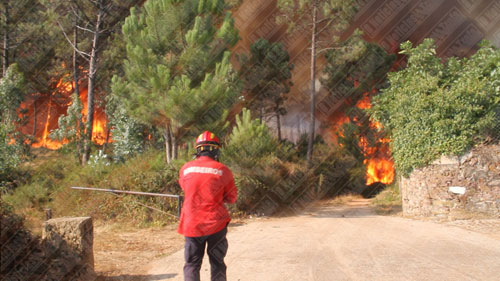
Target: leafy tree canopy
[{"x": 434, "y": 108}]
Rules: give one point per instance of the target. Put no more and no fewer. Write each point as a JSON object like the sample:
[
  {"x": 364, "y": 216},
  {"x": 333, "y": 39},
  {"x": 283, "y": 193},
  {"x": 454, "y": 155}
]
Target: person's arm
[{"x": 230, "y": 191}]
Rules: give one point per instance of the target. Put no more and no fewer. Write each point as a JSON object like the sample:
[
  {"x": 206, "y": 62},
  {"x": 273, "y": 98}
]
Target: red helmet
[{"x": 207, "y": 139}]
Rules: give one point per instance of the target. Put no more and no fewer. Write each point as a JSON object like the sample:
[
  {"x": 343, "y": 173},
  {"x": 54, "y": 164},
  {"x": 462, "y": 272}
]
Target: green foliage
[
  {"x": 30, "y": 40},
  {"x": 249, "y": 142},
  {"x": 357, "y": 65},
  {"x": 337, "y": 12},
  {"x": 128, "y": 133},
  {"x": 9, "y": 157},
  {"x": 266, "y": 76},
  {"x": 433, "y": 108},
  {"x": 178, "y": 72},
  {"x": 71, "y": 126},
  {"x": 388, "y": 201},
  {"x": 252, "y": 154},
  {"x": 12, "y": 91},
  {"x": 265, "y": 168},
  {"x": 302, "y": 143},
  {"x": 48, "y": 187}
]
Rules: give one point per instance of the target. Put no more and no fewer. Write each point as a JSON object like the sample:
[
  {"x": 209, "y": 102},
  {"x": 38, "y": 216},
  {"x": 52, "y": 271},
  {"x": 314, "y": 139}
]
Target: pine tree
[
  {"x": 29, "y": 42},
  {"x": 266, "y": 76},
  {"x": 16, "y": 25},
  {"x": 178, "y": 75},
  {"x": 12, "y": 91},
  {"x": 359, "y": 65},
  {"x": 320, "y": 19}
]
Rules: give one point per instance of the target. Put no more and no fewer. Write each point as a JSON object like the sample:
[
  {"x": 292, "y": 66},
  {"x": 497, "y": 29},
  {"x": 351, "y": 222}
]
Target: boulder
[{"x": 76, "y": 232}]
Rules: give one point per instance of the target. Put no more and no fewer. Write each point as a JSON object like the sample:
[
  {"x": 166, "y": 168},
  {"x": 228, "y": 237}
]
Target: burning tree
[
  {"x": 323, "y": 20},
  {"x": 178, "y": 74},
  {"x": 91, "y": 21},
  {"x": 361, "y": 68}
]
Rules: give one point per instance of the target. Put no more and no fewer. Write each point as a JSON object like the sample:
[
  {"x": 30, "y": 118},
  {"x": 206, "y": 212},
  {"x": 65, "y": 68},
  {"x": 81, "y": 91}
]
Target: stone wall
[
  {"x": 453, "y": 185},
  {"x": 28, "y": 257}
]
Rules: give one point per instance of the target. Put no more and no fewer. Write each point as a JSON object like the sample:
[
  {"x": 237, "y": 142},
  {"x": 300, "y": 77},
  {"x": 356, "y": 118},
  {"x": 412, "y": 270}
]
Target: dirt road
[{"x": 348, "y": 243}]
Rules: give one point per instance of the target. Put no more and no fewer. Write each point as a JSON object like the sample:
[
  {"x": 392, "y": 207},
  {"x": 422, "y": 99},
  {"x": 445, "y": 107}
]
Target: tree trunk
[
  {"x": 92, "y": 76},
  {"x": 298, "y": 129},
  {"x": 75, "y": 61},
  {"x": 313, "y": 84},
  {"x": 174, "y": 147},
  {"x": 34, "y": 120},
  {"x": 76, "y": 87},
  {"x": 6, "y": 40},
  {"x": 261, "y": 111},
  {"x": 108, "y": 133},
  {"x": 168, "y": 143},
  {"x": 278, "y": 125}
]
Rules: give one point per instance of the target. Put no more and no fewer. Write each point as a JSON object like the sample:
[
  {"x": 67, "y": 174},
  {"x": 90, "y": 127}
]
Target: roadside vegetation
[
  {"x": 388, "y": 202},
  {"x": 263, "y": 169},
  {"x": 433, "y": 108}
]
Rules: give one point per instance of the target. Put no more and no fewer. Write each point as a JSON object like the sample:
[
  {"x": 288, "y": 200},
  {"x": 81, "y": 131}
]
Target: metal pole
[
  {"x": 180, "y": 202},
  {"x": 126, "y": 191}
]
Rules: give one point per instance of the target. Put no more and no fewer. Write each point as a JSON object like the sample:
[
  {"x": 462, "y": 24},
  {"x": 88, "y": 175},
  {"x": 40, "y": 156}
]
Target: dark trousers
[{"x": 194, "y": 249}]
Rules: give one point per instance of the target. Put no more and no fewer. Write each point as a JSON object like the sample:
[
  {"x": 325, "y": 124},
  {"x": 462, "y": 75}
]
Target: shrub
[
  {"x": 248, "y": 143},
  {"x": 50, "y": 182},
  {"x": 433, "y": 108}
]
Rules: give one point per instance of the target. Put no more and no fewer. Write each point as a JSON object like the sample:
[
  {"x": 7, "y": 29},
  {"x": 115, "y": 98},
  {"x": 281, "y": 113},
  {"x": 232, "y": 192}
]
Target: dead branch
[{"x": 81, "y": 53}]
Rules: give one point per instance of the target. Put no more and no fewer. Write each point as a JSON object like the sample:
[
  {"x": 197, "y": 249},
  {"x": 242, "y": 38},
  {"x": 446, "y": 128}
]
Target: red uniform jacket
[{"x": 207, "y": 185}]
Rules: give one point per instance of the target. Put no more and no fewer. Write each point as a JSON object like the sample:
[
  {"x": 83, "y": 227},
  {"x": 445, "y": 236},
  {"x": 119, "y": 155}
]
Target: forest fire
[
  {"x": 43, "y": 113},
  {"x": 378, "y": 161},
  {"x": 45, "y": 140}
]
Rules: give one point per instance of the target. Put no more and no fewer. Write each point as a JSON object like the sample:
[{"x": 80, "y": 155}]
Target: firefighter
[{"x": 207, "y": 185}]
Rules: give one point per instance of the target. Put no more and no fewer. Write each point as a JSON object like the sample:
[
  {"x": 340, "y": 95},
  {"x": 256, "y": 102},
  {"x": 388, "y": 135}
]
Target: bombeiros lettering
[{"x": 203, "y": 170}]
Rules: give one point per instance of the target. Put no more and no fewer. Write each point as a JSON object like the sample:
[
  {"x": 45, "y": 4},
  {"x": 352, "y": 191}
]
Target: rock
[
  {"x": 494, "y": 183},
  {"x": 447, "y": 160},
  {"x": 77, "y": 233}
]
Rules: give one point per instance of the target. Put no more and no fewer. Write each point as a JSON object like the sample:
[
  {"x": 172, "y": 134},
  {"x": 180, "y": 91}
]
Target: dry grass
[
  {"x": 388, "y": 202},
  {"x": 121, "y": 251}
]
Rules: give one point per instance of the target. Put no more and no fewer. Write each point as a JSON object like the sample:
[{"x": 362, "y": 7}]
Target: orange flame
[
  {"x": 379, "y": 165},
  {"x": 55, "y": 110},
  {"x": 379, "y": 170},
  {"x": 364, "y": 102},
  {"x": 45, "y": 140},
  {"x": 378, "y": 161}
]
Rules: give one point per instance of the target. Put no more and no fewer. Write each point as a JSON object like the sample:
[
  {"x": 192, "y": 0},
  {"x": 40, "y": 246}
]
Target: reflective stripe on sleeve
[{"x": 202, "y": 170}]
